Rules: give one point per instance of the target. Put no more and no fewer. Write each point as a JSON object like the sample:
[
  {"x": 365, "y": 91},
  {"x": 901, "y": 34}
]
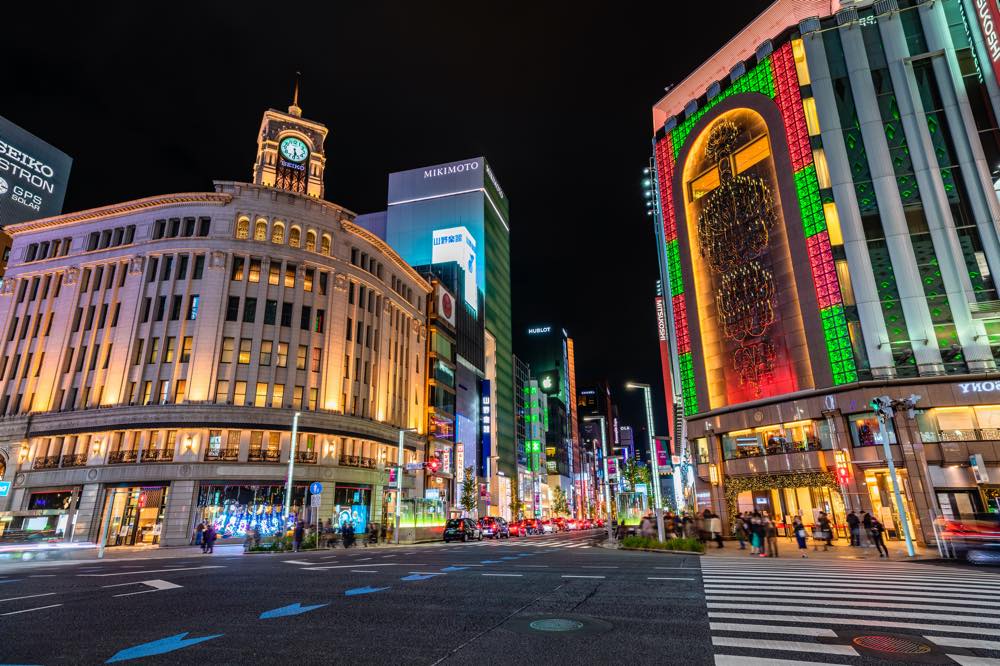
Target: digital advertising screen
[{"x": 33, "y": 176}]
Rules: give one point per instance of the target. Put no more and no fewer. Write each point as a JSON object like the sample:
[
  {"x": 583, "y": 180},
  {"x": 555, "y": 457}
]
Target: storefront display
[
  {"x": 883, "y": 500},
  {"x": 777, "y": 439},
  {"x": 136, "y": 515},
  {"x": 233, "y": 509},
  {"x": 785, "y": 496}
]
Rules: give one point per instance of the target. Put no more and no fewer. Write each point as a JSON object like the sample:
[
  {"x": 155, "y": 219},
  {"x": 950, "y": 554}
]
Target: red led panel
[
  {"x": 789, "y": 101},
  {"x": 681, "y": 324},
  {"x": 665, "y": 174},
  {"x": 824, "y": 270}
]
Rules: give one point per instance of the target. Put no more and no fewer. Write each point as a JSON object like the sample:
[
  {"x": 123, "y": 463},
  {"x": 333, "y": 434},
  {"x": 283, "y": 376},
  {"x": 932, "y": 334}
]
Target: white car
[{"x": 548, "y": 527}]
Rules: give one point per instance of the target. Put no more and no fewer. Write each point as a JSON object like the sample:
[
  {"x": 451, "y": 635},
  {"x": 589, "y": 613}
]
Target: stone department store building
[{"x": 154, "y": 352}]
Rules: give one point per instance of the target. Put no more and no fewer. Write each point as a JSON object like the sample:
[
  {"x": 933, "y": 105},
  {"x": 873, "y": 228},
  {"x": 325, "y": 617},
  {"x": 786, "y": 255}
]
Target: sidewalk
[{"x": 841, "y": 550}]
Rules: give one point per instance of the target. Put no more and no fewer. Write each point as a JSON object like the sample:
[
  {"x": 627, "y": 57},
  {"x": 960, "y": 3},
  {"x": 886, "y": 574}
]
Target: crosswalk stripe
[
  {"x": 925, "y": 590},
  {"x": 844, "y": 582},
  {"x": 812, "y": 594},
  {"x": 793, "y": 646},
  {"x": 970, "y": 660},
  {"x": 813, "y": 577},
  {"x": 888, "y": 624},
  {"x": 950, "y": 641},
  {"x": 771, "y": 629},
  {"x": 871, "y": 604},
  {"x": 850, "y": 611},
  {"x": 736, "y": 660}
]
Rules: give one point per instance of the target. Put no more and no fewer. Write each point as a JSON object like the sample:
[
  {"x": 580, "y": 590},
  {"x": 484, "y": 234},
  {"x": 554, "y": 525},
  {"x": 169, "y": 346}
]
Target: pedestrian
[
  {"x": 771, "y": 537},
  {"x": 825, "y": 533},
  {"x": 208, "y": 539},
  {"x": 800, "y": 535},
  {"x": 854, "y": 525},
  {"x": 198, "y": 534},
  {"x": 876, "y": 535},
  {"x": 741, "y": 530},
  {"x": 756, "y": 534},
  {"x": 646, "y": 527},
  {"x": 297, "y": 536},
  {"x": 866, "y": 524},
  {"x": 715, "y": 528}
]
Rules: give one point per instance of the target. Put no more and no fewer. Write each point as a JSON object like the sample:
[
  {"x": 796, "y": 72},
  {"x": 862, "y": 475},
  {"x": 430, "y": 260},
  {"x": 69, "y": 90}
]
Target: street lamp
[
  {"x": 607, "y": 479},
  {"x": 654, "y": 465},
  {"x": 884, "y": 407},
  {"x": 399, "y": 481},
  {"x": 291, "y": 466}
]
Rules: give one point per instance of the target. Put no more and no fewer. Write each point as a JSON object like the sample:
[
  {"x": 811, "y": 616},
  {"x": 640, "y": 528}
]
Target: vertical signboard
[
  {"x": 486, "y": 422},
  {"x": 668, "y": 390},
  {"x": 33, "y": 176},
  {"x": 457, "y": 244},
  {"x": 988, "y": 15}
]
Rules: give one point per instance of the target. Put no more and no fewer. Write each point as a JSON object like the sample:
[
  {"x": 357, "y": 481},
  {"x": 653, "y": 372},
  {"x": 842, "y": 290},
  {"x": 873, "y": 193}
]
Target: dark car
[
  {"x": 494, "y": 527},
  {"x": 975, "y": 539},
  {"x": 462, "y": 529}
]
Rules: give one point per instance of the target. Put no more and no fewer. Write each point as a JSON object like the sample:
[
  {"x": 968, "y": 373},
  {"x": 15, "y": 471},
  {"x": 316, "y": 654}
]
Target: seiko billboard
[{"x": 33, "y": 176}]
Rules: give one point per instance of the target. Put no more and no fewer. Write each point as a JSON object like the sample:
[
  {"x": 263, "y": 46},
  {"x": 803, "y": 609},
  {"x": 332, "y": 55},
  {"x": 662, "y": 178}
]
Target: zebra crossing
[
  {"x": 537, "y": 542},
  {"x": 796, "y": 612}
]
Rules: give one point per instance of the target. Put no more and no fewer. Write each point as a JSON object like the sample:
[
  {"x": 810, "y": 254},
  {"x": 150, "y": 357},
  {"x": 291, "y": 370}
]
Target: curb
[{"x": 660, "y": 550}]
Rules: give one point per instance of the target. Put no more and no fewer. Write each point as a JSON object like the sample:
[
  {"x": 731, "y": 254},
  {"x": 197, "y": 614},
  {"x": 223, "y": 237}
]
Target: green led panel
[
  {"x": 687, "y": 383},
  {"x": 838, "y": 345},
  {"x": 674, "y": 268},
  {"x": 807, "y": 189}
]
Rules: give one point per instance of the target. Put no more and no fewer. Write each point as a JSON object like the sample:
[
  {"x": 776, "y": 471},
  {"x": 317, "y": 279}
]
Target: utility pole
[
  {"x": 291, "y": 466},
  {"x": 883, "y": 406}
]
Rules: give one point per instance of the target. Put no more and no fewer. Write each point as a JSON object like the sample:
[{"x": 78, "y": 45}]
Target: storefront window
[
  {"x": 233, "y": 509},
  {"x": 136, "y": 515},
  {"x": 865, "y": 431},
  {"x": 784, "y": 504},
  {"x": 701, "y": 445},
  {"x": 959, "y": 424},
  {"x": 351, "y": 506},
  {"x": 796, "y": 437},
  {"x": 880, "y": 490}
]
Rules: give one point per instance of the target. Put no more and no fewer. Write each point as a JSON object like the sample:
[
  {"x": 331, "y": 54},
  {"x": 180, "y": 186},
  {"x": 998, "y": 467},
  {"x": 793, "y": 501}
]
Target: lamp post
[
  {"x": 607, "y": 479},
  {"x": 291, "y": 465},
  {"x": 399, "y": 482},
  {"x": 654, "y": 465},
  {"x": 884, "y": 408}
]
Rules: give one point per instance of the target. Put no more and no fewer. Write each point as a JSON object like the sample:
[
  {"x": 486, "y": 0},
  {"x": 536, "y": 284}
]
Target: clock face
[{"x": 294, "y": 150}]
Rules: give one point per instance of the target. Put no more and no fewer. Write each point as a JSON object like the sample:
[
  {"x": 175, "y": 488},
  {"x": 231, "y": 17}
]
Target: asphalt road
[{"x": 426, "y": 604}]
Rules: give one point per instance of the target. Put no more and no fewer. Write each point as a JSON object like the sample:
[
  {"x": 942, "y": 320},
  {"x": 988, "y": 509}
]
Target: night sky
[{"x": 556, "y": 95}]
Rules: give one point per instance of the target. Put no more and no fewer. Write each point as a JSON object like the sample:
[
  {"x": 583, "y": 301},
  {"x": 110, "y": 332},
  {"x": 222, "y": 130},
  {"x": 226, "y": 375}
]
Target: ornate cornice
[
  {"x": 125, "y": 208},
  {"x": 384, "y": 248}
]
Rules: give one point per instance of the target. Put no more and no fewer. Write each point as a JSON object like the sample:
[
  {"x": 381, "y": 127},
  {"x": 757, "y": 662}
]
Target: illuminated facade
[
  {"x": 156, "y": 350},
  {"x": 828, "y": 234}
]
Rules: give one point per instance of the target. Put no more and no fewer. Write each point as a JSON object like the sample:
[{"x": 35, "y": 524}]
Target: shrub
[{"x": 689, "y": 545}]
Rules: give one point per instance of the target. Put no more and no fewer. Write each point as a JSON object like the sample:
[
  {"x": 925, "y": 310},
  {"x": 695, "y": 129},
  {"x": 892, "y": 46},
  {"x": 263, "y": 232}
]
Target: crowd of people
[
  {"x": 326, "y": 535},
  {"x": 759, "y": 531}
]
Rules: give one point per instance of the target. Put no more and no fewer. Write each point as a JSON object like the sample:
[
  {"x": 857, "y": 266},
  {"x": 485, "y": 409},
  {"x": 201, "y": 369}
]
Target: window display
[{"x": 233, "y": 509}]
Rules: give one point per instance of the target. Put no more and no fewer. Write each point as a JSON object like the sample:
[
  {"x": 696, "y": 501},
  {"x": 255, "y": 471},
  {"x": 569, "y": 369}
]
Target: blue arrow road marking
[
  {"x": 489, "y": 561},
  {"x": 418, "y": 577},
  {"x": 454, "y": 568},
  {"x": 10, "y": 580},
  {"x": 508, "y": 558},
  {"x": 294, "y": 609},
  {"x": 364, "y": 590},
  {"x": 162, "y": 646}
]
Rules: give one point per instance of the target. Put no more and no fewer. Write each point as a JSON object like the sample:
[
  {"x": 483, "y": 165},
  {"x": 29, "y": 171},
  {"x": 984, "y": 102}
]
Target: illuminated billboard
[
  {"x": 457, "y": 244},
  {"x": 33, "y": 176}
]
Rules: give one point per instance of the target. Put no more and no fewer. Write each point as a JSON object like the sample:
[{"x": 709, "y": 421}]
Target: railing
[
  {"x": 773, "y": 448},
  {"x": 305, "y": 456},
  {"x": 223, "y": 454},
  {"x": 75, "y": 460},
  {"x": 965, "y": 435},
  {"x": 118, "y": 457},
  {"x": 357, "y": 461},
  {"x": 158, "y": 455},
  {"x": 46, "y": 462},
  {"x": 264, "y": 455}
]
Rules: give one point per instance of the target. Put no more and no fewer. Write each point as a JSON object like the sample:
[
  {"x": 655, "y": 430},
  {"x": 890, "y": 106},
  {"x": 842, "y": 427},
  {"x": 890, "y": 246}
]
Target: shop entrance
[
  {"x": 959, "y": 504},
  {"x": 136, "y": 515},
  {"x": 783, "y": 504},
  {"x": 883, "y": 500}
]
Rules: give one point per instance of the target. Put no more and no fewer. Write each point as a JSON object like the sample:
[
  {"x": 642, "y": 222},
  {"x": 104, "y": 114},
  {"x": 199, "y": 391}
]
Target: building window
[
  {"x": 254, "y": 274},
  {"x": 154, "y": 350},
  {"x": 282, "y": 354},
  {"x": 265, "y": 352},
  {"x": 243, "y": 228},
  {"x": 307, "y": 283},
  {"x": 250, "y": 311},
  {"x": 260, "y": 397},
  {"x": 240, "y": 393},
  {"x": 278, "y": 233},
  {"x": 168, "y": 351},
  {"x": 233, "y": 308},
  {"x": 304, "y": 317},
  {"x": 294, "y": 237},
  {"x": 186, "y": 348},
  {"x": 270, "y": 311},
  {"x": 311, "y": 241},
  {"x": 237, "y": 274},
  {"x": 221, "y": 391},
  {"x": 300, "y": 358},
  {"x": 228, "y": 345},
  {"x": 316, "y": 360},
  {"x": 313, "y": 399},
  {"x": 290, "y": 276},
  {"x": 245, "y": 344},
  {"x": 175, "y": 308},
  {"x": 260, "y": 231},
  {"x": 181, "y": 391},
  {"x": 193, "y": 303},
  {"x": 297, "y": 397},
  {"x": 199, "y": 267},
  {"x": 182, "y": 267},
  {"x": 274, "y": 273},
  {"x": 320, "y": 321},
  {"x": 324, "y": 247},
  {"x": 277, "y": 395},
  {"x": 286, "y": 314}
]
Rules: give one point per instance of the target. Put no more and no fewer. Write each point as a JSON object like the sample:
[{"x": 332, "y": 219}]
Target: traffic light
[
  {"x": 843, "y": 472},
  {"x": 433, "y": 464}
]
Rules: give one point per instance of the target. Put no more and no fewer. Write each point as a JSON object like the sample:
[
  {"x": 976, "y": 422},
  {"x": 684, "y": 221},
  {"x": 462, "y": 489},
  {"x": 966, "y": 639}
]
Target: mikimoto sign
[
  {"x": 33, "y": 176},
  {"x": 988, "y": 15}
]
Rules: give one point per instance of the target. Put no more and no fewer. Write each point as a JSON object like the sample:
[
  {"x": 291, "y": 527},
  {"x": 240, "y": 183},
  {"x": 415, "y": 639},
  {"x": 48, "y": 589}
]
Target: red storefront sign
[{"x": 989, "y": 16}]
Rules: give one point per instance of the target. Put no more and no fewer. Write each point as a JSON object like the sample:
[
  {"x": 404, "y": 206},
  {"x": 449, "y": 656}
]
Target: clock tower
[{"x": 290, "y": 154}]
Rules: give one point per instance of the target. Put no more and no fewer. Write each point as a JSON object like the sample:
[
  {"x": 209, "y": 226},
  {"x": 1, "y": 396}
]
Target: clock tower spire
[{"x": 290, "y": 151}]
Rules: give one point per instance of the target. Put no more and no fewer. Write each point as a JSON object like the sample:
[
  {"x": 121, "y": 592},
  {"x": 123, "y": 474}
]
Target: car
[
  {"x": 494, "y": 527},
  {"x": 518, "y": 528},
  {"x": 975, "y": 539},
  {"x": 560, "y": 524},
  {"x": 548, "y": 527},
  {"x": 462, "y": 529},
  {"x": 572, "y": 525},
  {"x": 532, "y": 526}
]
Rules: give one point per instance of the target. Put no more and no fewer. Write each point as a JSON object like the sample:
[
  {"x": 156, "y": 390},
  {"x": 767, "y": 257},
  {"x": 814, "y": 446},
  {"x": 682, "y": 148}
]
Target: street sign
[
  {"x": 4, "y": 488},
  {"x": 676, "y": 460},
  {"x": 315, "y": 487},
  {"x": 315, "y": 499},
  {"x": 979, "y": 468},
  {"x": 410, "y": 467}
]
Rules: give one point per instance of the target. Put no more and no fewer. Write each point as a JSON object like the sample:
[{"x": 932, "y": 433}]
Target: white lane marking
[
  {"x": 362, "y": 559},
  {"x": 852, "y": 611},
  {"x": 29, "y": 610},
  {"x": 155, "y": 583},
  {"x": 42, "y": 576},
  {"x": 966, "y": 660},
  {"x": 874, "y": 604},
  {"x": 535, "y": 566},
  {"x": 136, "y": 573},
  {"x": 734, "y": 660},
  {"x": 348, "y": 566},
  {"x": 578, "y": 576},
  {"x": 305, "y": 562},
  {"x": 330, "y": 557},
  {"x": 920, "y": 626},
  {"x": 387, "y": 556},
  {"x": 951, "y": 641},
  {"x": 795, "y": 646},
  {"x": 504, "y": 574},
  {"x": 596, "y": 566},
  {"x": 28, "y": 596},
  {"x": 692, "y": 568},
  {"x": 771, "y": 629},
  {"x": 363, "y": 571},
  {"x": 667, "y": 578}
]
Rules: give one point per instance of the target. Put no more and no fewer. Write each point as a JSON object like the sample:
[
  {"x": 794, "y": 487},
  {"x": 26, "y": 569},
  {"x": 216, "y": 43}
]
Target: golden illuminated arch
[
  {"x": 294, "y": 237},
  {"x": 243, "y": 228},
  {"x": 278, "y": 233},
  {"x": 324, "y": 247},
  {"x": 311, "y": 240},
  {"x": 260, "y": 230}
]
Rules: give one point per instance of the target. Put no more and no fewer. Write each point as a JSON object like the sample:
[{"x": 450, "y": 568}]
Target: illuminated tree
[
  {"x": 469, "y": 498},
  {"x": 560, "y": 506}
]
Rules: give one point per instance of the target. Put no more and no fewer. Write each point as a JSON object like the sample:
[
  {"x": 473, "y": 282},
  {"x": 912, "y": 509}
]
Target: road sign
[
  {"x": 4, "y": 488},
  {"x": 315, "y": 499},
  {"x": 410, "y": 467},
  {"x": 315, "y": 487}
]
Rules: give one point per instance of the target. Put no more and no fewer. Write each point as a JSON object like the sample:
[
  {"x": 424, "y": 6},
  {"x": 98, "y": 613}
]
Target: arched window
[
  {"x": 294, "y": 237},
  {"x": 260, "y": 231},
  {"x": 324, "y": 246},
  {"x": 311, "y": 241},
  {"x": 278, "y": 233},
  {"x": 243, "y": 228}
]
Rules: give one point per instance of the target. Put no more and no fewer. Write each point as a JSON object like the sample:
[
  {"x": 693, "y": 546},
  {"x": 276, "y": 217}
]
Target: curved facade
[
  {"x": 829, "y": 235},
  {"x": 154, "y": 353}
]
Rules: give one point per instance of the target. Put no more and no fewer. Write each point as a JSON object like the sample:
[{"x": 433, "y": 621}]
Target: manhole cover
[
  {"x": 556, "y": 624},
  {"x": 891, "y": 644}
]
